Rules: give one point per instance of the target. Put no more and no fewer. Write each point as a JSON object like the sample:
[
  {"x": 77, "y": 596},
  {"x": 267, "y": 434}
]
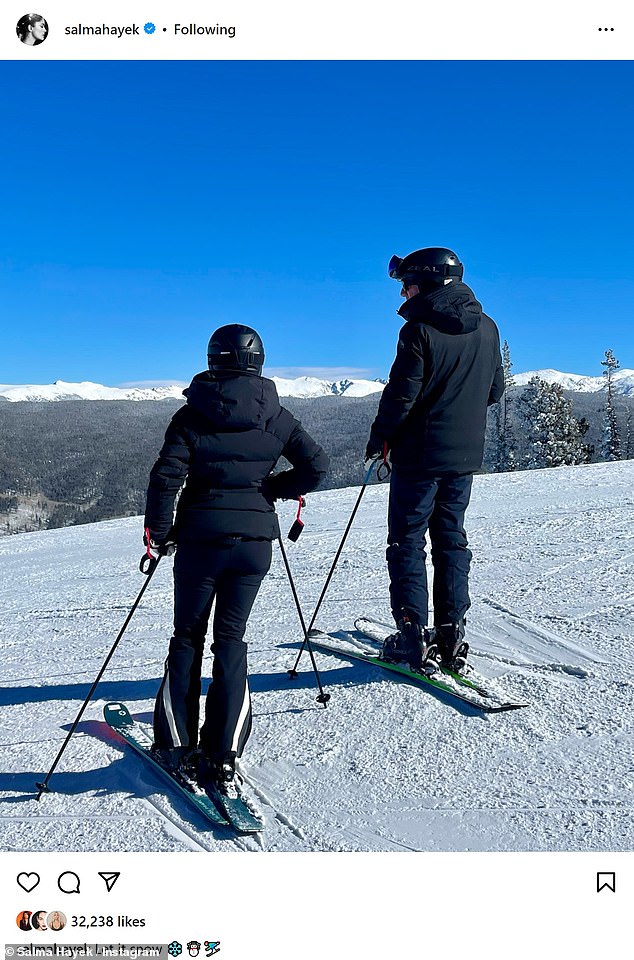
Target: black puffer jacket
[
  {"x": 225, "y": 440},
  {"x": 447, "y": 370}
]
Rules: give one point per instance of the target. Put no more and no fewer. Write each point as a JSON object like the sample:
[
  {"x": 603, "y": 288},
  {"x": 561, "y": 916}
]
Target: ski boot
[
  {"x": 181, "y": 763},
  {"x": 451, "y": 646},
  {"x": 220, "y": 774},
  {"x": 410, "y": 644}
]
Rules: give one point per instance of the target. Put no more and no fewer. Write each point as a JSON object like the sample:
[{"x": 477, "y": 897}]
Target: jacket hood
[
  {"x": 237, "y": 402},
  {"x": 451, "y": 309}
]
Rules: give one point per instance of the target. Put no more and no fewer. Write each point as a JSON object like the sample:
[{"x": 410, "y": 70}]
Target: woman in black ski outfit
[{"x": 224, "y": 442}]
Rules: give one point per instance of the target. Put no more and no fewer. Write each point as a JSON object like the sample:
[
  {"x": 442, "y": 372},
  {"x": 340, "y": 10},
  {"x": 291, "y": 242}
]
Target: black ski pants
[
  {"x": 229, "y": 571},
  {"x": 416, "y": 505}
]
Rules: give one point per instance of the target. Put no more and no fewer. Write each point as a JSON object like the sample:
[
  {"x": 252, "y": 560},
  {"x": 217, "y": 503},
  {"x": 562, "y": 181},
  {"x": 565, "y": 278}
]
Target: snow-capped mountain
[
  {"x": 314, "y": 387},
  {"x": 302, "y": 387},
  {"x": 86, "y": 390},
  {"x": 622, "y": 380}
]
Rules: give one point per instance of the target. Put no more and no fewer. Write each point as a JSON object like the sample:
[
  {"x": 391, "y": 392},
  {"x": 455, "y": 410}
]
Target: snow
[
  {"x": 622, "y": 381},
  {"x": 386, "y": 766},
  {"x": 302, "y": 387},
  {"x": 309, "y": 387},
  {"x": 86, "y": 390}
]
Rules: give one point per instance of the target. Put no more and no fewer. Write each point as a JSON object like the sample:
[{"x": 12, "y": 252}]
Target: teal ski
[
  {"x": 118, "y": 717},
  {"x": 236, "y": 809}
]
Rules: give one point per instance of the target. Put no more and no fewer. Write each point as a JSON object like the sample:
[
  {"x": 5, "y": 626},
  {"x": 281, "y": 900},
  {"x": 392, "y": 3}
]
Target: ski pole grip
[
  {"x": 298, "y": 524},
  {"x": 384, "y": 469},
  {"x": 148, "y": 563}
]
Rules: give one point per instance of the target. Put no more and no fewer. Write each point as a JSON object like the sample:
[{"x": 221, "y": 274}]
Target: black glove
[
  {"x": 373, "y": 452},
  {"x": 159, "y": 548}
]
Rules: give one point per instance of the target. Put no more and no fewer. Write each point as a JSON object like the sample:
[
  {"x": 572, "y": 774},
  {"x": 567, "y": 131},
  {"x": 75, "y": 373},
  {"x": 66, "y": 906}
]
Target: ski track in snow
[{"x": 386, "y": 765}]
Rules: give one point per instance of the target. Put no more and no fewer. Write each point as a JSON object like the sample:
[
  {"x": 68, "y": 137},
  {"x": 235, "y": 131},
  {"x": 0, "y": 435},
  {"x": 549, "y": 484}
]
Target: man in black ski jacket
[
  {"x": 432, "y": 419},
  {"x": 224, "y": 443}
]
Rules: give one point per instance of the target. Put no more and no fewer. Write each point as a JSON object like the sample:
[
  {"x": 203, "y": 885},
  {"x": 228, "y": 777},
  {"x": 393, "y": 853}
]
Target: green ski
[{"x": 438, "y": 681}]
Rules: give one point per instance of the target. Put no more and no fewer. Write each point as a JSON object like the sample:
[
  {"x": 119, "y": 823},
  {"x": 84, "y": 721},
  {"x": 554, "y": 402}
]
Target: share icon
[{"x": 109, "y": 879}]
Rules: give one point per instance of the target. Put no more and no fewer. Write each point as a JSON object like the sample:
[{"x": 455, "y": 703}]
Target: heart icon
[{"x": 28, "y": 881}]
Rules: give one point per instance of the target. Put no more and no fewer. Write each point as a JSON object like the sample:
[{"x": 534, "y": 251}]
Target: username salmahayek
[{"x": 134, "y": 30}]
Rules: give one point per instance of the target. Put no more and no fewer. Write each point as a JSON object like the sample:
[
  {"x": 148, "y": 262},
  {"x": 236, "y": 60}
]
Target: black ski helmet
[
  {"x": 429, "y": 266},
  {"x": 236, "y": 349}
]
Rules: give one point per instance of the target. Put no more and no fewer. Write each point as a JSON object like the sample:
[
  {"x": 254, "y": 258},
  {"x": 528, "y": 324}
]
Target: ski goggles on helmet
[
  {"x": 394, "y": 270},
  {"x": 393, "y": 267}
]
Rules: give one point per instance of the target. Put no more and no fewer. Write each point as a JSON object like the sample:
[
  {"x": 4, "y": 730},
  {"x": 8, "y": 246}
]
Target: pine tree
[
  {"x": 555, "y": 437},
  {"x": 506, "y": 456},
  {"x": 611, "y": 447},
  {"x": 627, "y": 446}
]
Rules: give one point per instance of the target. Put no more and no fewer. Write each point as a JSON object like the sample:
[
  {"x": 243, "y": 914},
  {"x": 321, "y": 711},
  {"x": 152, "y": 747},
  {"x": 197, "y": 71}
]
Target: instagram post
[{"x": 316, "y": 483}]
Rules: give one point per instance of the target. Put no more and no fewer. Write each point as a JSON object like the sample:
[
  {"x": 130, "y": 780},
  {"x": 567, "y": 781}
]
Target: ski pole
[
  {"x": 293, "y": 673},
  {"x": 323, "y": 697},
  {"x": 147, "y": 566}
]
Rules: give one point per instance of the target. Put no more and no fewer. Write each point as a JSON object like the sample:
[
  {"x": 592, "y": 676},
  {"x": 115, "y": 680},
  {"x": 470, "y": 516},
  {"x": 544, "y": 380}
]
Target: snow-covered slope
[
  {"x": 305, "y": 387},
  {"x": 386, "y": 765}
]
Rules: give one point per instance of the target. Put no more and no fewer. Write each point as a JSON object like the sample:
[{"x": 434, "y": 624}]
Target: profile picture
[
  {"x": 23, "y": 920},
  {"x": 32, "y": 29},
  {"x": 56, "y": 920},
  {"x": 38, "y": 920}
]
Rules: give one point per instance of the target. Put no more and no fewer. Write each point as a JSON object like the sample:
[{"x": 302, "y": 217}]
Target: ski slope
[{"x": 385, "y": 766}]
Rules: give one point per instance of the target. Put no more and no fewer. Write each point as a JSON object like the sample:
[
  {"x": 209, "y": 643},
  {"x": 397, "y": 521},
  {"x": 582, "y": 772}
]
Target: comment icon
[{"x": 68, "y": 882}]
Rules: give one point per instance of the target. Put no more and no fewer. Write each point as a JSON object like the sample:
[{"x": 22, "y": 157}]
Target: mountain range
[{"x": 302, "y": 387}]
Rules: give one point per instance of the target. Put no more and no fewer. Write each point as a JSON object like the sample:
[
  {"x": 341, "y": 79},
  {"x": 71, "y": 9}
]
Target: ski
[
  {"x": 118, "y": 717},
  {"x": 237, "y": 810},
  {"x": 377, "y": 631},
  {"x": 442, "y": 683}
]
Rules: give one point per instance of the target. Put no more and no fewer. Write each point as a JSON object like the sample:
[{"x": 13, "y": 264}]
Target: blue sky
[{"x": 145, "y": 204}]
